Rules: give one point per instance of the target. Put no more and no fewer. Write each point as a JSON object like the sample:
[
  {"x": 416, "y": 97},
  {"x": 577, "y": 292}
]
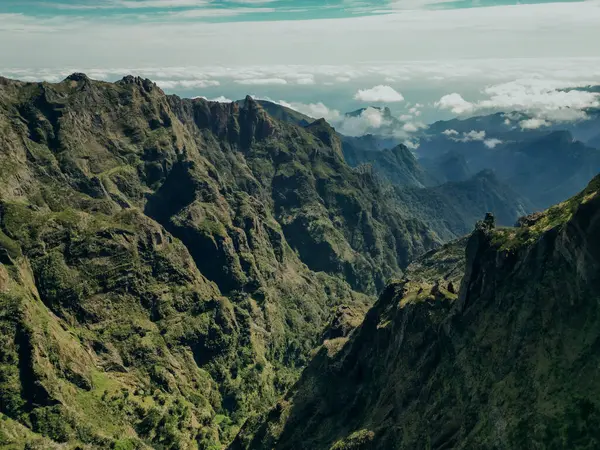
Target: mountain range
[
  {"x": 182, "y": 274},
  {"x": 167, "y": 264}
]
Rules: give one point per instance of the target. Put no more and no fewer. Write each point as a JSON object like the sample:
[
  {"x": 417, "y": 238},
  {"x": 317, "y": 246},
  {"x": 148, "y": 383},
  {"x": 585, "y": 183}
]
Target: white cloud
[
  {"x": 379, "y": 94},
  {"x": 470, "y": 136},
  {"x": 306, "y": 80},
  {"x": 261, "y": 81},
  {"x": 473, "y": 136},
  {"x": 220, "y": 99},
  {"x": 533, "y": 124},
  {"x": 455, "y": 103},
  {"x": 187, "y": 84},
  {"x": 405, "y": 117},
  {"x": 413, "y": 127},
  {"x": 370, "y": 119},
  {"x": 413, "y": 145},
  {"x": 544, "y": 98},
  {"x": 492, "y": 143},
  {"x": 450, "y": 132},
  {"x": 548, "y": 100}
]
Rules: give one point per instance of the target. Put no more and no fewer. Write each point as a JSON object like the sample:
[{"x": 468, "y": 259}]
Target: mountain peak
[
  {"x": 385, "y": 111},
  {"x": 78, "y": 76},
  {"x": 250, "y": 103},
  {"x": 326, "y": 134},
  {"x": 320, "y": 123},
  {"x": 145, "y": 83}
]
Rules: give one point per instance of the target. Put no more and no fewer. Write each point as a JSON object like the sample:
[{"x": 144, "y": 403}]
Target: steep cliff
[{"x": 510, "y": 362}]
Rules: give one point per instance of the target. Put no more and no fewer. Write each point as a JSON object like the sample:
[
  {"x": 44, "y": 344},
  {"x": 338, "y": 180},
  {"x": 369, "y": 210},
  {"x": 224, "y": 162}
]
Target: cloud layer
[
  {"x": 546, "y": 100},
  {"x": 442, "y": 35}
]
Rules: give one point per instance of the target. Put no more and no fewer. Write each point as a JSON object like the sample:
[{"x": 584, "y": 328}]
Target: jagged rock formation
[
  {"x": 510, "y": 362},
  {"x": 167, "y": 265}
]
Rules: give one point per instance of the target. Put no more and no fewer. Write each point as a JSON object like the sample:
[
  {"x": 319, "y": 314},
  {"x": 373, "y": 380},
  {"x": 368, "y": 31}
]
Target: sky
[{"x": 424, "y": 59}]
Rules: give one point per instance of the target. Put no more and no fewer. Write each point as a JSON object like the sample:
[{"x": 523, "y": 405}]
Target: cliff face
[
  {"x": 510, "y": 362},
  {"x": 167, "y": 265}
]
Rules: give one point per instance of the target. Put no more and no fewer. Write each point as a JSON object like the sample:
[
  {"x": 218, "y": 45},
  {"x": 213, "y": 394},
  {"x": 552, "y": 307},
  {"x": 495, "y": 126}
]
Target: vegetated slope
[
  {"x": 167, "y": 265},
  {"x": 396, "y": 165},
  {"x": 452, "y": 209},
  {"x": 510, "y": 362}
]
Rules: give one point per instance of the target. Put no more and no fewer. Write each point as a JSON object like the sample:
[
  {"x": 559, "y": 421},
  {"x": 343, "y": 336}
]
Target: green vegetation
[
  {"x": 167, "y": 266},
  {"x": 534, "y": 226},
  {"x": 508, "y": 360}
]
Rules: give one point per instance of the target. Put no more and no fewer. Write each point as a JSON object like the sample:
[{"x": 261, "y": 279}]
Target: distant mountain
[
  {"x": 546, "y": 165},
  {"x": 452, "y": 209},
  {"x": 397, "y": 165},
  {"x": 461, "y": 135},
  {"x": 472, "y": 136},
  {"x": 493, "y": 123},
  {"x": 450, "y": 166},
  {"x": 547, "y": 169},
  {"x": 385, "y": 112},
  {"x": 384, "y": 124},
  {"x": 439, "y": 192}
]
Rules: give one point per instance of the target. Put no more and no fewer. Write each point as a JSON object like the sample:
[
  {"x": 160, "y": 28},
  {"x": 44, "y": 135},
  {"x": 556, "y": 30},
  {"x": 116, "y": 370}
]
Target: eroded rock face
[
  {"x": 156, "y": 284},
  {"x": 511, "y": 362}
]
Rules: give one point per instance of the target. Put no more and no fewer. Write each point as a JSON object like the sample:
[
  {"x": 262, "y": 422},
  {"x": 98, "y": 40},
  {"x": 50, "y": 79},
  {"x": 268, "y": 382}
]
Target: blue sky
[
  {"x": 448, "y": 57},
  {"x": 234, "y": 11}
]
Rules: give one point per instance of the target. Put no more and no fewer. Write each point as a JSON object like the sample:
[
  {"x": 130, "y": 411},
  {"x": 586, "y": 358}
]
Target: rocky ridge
[{"x": 167, "y": 265}]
